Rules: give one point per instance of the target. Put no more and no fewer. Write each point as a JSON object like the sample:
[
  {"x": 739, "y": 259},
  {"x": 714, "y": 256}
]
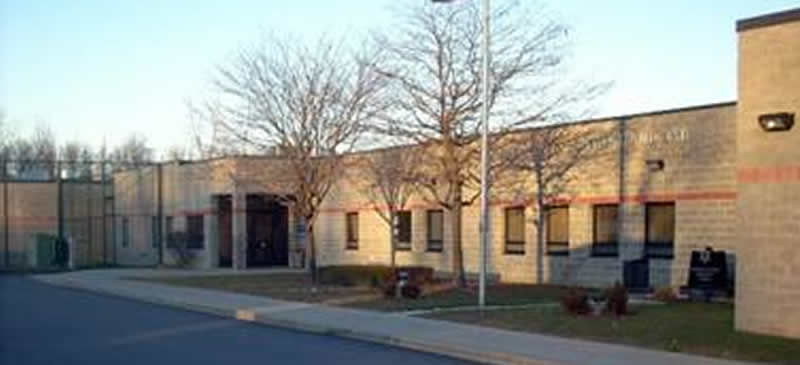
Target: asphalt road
[{"x": 41, "y": 324}]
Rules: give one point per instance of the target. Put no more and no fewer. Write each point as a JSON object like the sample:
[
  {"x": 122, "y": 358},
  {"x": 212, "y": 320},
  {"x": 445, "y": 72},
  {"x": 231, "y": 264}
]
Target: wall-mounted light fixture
[
  {"x": 654, "y": 165},
  {"x": 776, "y": 122}
]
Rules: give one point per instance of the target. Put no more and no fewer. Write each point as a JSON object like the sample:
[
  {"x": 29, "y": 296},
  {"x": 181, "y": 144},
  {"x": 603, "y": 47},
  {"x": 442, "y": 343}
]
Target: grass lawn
[
  {"x": 699, "y": 328},
  {"x": 286, "y": 286},
  {"x": 296, "y": 287},
  {"x": 501, "y": 294}
]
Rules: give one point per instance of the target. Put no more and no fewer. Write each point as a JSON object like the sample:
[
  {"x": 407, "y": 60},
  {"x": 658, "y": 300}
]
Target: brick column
[
  {"x": 768, "y": 177},
  {"x": 239, "y": 230},
  {"x": 212, "y": 234}
]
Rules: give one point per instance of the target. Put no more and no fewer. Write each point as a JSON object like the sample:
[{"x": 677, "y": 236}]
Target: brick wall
[
  {"x": 189, "y": 189},
  {"x": 697, "y": 146},
  {"x": 768, "y": 212}
]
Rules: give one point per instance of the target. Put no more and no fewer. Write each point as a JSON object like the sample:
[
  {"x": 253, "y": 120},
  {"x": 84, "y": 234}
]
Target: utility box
[{"x": 41, "y": 252}]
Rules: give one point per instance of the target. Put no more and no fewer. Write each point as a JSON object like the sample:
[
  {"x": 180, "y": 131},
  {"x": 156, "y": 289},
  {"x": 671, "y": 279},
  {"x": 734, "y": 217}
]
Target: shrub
[
  {"x": 617, "y": 300},
  {"x": 576, "y": 302},
  {"x": 665, "y": 294},
  {"x": 417, "y": 277},
  {"x": 351, "y": 275},
  {"x": 411, "y": 291},
  {"x": 416, "y": 274},
  {"x": 178, "y": 244}
]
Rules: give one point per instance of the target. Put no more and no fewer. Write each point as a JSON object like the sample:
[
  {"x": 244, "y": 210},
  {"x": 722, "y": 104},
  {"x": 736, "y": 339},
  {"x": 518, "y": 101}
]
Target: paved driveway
[{"x": 41, "y": 324}]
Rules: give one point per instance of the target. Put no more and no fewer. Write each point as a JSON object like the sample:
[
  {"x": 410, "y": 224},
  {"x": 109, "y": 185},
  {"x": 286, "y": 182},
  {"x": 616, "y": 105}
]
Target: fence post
[
  {"x": 60, "y": 203},
  {"x": 160, "y": 216},
  {"x": 104, "y": 212},
  {"x": 5, "y": 210},
  {"x": 113, "y": 220},
  {"x": 90, "y": 189}
]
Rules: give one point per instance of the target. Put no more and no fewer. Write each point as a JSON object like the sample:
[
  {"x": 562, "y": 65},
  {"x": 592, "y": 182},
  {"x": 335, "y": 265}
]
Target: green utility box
[{"x": 42, "y": 251}]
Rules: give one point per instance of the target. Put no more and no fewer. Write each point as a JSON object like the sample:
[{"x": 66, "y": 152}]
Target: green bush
[
  {"x": 576, "y": 302},
  {"x": 617, "y": 300}
]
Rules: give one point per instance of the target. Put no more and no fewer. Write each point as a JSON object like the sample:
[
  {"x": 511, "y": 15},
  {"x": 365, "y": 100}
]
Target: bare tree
[
  {"x": 133, "y": 152},
  {"x": 433, "y": 64},
  {"x": 311, "y": 102},
  {"x": 76, "y": 159},
  {"x": 6, "y": 141},
  {"x": 179, "y": 153},
  {"x": 389, "y": 180},
  {"x": 35, "y": 157},
  {"x": 551, "y": 158}
]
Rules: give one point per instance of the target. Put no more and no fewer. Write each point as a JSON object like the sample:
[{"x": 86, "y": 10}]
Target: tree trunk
[
  {"x": 455, "y": 237},
  {"x": 540, "y": 244},
  {"x": 392, "y": 239},
  {"x": 311, "y": 250}
]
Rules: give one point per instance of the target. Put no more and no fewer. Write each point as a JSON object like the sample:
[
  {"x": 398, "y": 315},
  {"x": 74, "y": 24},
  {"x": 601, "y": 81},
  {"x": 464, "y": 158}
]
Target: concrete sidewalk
[{"x": 452, "y": 339}]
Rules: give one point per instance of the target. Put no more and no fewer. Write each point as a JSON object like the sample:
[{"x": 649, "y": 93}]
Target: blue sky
[{"x": 97, "y": 70}]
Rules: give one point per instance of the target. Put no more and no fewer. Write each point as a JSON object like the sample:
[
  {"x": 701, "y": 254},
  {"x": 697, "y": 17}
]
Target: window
[
  {"x": 351, "y": 220},
  {"x": 660, "y": 230},
  {"x": 168, "y": 227},
  {"x": 557, "y": 230},
  {"x": 515, "y": 231},
  {"x": 126, "y": 234},
  {"x": 605, "y": 230},
  {"x": 154, "y": 231},
  {"x": 403, "y": 231},
  {"x": 194, "y": 231},
  {"x": 435, "y": 230}
]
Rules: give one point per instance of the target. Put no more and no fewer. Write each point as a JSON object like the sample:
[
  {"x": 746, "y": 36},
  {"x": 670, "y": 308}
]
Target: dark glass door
[{"x": 267, "y": 232}]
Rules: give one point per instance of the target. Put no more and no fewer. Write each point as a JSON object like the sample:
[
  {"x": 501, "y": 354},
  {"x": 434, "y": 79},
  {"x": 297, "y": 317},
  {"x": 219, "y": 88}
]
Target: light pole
[{"x": 485, "y": 96}]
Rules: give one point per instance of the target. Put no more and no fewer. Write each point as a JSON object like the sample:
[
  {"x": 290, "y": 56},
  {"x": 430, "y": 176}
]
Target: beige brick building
[{"x": 659, "y": 186}]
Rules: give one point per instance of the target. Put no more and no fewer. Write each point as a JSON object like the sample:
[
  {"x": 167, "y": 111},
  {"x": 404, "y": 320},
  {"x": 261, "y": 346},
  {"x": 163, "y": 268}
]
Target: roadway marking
[{"x": 249, "y": 314}]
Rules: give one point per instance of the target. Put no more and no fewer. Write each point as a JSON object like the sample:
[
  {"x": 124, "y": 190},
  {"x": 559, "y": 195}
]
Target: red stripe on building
[
  {"x": 772, "y": 174},
  {"x": 596, "y": 199}
]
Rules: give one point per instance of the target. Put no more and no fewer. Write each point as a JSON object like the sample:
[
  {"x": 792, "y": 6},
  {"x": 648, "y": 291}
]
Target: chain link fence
[{"x": 42, "y": 201}]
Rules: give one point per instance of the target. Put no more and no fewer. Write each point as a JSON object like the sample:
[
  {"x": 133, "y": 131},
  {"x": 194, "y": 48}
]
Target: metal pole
[
  {"x": 160, "y": 218},
  {"x": 90, "y": 191},
  {"x": 485, "y": 85},
  {"x": 60, "y": 206},
  {"x": 5, "y": 209},
  {"x": 113, "y": 221},
  {"x": 104, "y": 211}
]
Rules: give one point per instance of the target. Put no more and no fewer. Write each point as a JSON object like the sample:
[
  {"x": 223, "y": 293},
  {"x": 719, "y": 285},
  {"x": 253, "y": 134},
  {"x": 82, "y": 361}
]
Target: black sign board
[{"x": 708, "y": 270}]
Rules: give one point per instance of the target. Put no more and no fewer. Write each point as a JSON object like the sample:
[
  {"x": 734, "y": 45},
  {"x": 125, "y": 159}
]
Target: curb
[{"x": 249, "y": 316}]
